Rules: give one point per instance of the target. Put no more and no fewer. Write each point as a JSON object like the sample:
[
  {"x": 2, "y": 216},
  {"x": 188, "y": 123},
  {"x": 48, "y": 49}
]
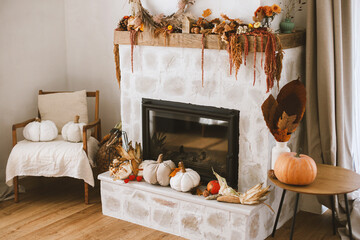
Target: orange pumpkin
[{"x": 295, "y": 169}]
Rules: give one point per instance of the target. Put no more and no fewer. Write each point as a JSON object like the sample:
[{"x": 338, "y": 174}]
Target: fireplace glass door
[{"x": 201, "y": 137}]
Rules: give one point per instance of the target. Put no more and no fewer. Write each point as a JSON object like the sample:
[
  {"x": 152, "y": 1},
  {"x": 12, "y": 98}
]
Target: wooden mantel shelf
[{"x": 187, "y": 40}]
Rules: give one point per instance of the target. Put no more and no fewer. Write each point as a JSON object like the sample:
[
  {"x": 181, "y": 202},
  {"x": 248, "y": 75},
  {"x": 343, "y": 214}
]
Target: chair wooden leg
[
  {"x": 16, "y": 188},
  {"x": 86, "y": 191}
]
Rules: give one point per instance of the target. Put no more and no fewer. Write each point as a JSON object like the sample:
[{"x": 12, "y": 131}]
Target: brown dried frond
[
  {"x": 236, "y": 52},
  {"x": 117, "y": 63},
  {"x": 279, "y": 58}
]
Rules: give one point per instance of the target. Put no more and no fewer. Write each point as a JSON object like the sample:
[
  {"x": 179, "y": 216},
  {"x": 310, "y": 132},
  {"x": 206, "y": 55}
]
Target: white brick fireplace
[{"x": 174, "y": 74}]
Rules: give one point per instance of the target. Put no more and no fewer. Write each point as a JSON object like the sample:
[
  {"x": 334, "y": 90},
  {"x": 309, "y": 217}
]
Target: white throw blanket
[{"x": 56, "y": 158}]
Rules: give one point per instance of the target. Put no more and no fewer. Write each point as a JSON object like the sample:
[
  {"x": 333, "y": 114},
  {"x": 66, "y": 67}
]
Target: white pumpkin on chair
[
  {"x": 72, "y": 131},
  {"x": 40, "y": 131}
]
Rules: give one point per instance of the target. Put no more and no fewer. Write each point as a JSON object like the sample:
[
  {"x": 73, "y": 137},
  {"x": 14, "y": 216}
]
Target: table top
[{"x": 330, "y": 180}]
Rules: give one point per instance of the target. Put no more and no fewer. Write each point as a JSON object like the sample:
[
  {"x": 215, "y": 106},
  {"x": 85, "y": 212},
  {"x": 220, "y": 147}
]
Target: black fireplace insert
[{"x": 202, "y": 137}]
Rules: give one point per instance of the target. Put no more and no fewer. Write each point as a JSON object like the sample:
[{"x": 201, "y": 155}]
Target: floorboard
[{"x": 53, "y": 208}]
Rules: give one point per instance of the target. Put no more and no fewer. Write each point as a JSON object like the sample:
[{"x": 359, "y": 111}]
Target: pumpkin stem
[
  {"x": 77, "y": 117},
  {"x": 160, "y": 158},
  {"x": 181, "y": 165},
  {"x": 37, "y": 119},
  {"x": 298, "y": 153}
]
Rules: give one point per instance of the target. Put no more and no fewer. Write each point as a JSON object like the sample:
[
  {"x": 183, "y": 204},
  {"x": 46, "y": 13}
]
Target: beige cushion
[{"x": 63, "y": 107}]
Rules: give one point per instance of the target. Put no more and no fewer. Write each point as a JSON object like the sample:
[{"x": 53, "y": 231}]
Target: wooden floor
[{"x": 54, "y": 209}]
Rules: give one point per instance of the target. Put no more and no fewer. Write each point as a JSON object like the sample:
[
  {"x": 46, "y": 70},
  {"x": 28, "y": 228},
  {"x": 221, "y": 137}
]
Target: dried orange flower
[
  {"x": 268, "y": 11},
  {"x": 257, "y": 25},
  {"x": 169, "y": 27},
  {"x": 206, "y": 13},
  {"x": 126, "y": 17},
  {"x": 142, "y": 27},
  {"x": 251, "y": 26},
  {"x": 276, "y": 8}
]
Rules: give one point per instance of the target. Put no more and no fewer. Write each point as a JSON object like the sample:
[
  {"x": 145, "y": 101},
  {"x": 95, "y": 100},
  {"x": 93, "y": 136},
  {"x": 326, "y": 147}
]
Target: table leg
[
  {"x": 333, "y": 213},
  {"x": 278, "y": 213},
  {"x": 295, "y": 211},
  {"x": 348, "y": 216}
]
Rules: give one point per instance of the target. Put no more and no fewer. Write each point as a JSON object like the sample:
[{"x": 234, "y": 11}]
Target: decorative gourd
[
  {"x": 120, "y": 170},
  {"x": 157, "y": 172},
  {"x": 213, "y": 187},
  {"x": 40, "y": 131},
  {"x": 185, "y": 179},
  {"x": 296, "y": 169},
  {"x": 72, "y": 131}
]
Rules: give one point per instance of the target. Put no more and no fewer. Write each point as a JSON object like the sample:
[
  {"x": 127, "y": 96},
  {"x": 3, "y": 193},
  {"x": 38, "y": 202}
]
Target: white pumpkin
[
  {"x": 185, "y": 179},
  {"x": 157, "y": 172},
  {"x": 72, "y": 131},
  {"x": 40, "y": 131}
]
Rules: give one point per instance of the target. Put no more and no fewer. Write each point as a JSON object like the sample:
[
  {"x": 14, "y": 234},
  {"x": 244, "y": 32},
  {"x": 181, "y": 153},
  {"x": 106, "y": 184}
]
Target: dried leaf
[
  {"x": 227, "y": 28},
  {"x": 174, "y": 172},
  {"x": 224, "y": 16},
  {"x": 292, "y": 100},
  {"x": 287, "y": 122},
  {"x": 281, "y": 135},
  {"x": 134, "y": 167},
  {"x": 206, "y": 13},
  {"x": 268, "y": 109}
]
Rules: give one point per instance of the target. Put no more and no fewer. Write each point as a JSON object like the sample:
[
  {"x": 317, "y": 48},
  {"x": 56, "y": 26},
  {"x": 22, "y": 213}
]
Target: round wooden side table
[{"x": 330, "y": 180}]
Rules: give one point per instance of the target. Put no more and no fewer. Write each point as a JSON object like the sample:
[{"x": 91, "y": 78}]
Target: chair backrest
[{"x": 95, "y": 94}]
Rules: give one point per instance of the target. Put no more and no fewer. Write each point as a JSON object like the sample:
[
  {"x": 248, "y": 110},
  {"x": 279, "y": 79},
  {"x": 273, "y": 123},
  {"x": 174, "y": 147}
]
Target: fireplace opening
[{"x": 202, "y": 137}]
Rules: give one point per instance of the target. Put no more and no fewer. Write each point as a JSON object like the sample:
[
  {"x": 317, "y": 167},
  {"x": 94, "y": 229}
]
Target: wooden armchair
[{"x": 96, "y": 125}]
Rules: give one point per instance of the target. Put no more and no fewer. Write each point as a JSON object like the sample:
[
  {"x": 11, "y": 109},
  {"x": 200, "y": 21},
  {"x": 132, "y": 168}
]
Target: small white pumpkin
[
  {"x": 72, "y": 131},
  {"x": 157, "y": 172},
  {"x": 185, "y": 179},
  {"x": 40, "y": 131}
]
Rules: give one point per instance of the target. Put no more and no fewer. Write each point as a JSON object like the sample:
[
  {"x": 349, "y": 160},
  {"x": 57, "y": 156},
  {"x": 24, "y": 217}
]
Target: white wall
[
  {"x": 32, "y": 57},
  {"x": 89, "y": 28}
]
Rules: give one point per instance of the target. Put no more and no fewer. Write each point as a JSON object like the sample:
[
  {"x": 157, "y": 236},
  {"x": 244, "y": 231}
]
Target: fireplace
[{"x": 202, "y": 137}]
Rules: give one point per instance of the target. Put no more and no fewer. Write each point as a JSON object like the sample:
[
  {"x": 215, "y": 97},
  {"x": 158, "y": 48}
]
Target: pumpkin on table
[
  {"x": 72, "y": 131},
  {"x": 295, "y": 169},
  {"x": 157, "y": 172},
  {"x": 185, "y": 179},
  {"x": 40, "y": 131}
]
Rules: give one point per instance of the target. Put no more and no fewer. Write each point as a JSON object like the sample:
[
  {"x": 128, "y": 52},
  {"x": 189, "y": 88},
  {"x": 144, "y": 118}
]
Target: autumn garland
[{"x": 227, "y": 30}]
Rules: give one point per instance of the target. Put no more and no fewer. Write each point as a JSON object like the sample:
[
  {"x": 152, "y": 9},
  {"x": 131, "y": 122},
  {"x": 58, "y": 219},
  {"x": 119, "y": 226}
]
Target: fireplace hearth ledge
[{"x": 182, "y": 214}]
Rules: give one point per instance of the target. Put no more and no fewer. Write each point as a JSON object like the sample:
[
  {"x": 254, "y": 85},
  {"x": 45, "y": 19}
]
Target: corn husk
[{"x": 225, "y": 190}]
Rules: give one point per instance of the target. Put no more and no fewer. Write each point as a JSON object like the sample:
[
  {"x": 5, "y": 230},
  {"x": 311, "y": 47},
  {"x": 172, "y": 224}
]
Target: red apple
[{"x": 213, "y": 187}]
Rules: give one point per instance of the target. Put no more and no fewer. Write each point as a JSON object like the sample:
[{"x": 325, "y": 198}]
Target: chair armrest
[
  {"x": 19, "y": 125},
  {"x": 97, "y": 124}
]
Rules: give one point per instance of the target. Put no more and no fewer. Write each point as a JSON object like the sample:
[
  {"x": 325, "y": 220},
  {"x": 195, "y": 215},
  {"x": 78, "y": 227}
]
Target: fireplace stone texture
[
  {"x": 186, "y": 215},
  {"x": 174, "y": 74}
]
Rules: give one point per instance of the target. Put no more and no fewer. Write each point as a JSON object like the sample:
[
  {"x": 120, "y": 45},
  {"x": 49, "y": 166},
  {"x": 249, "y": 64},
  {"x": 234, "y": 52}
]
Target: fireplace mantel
[{"x": 187, "y": 40}]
